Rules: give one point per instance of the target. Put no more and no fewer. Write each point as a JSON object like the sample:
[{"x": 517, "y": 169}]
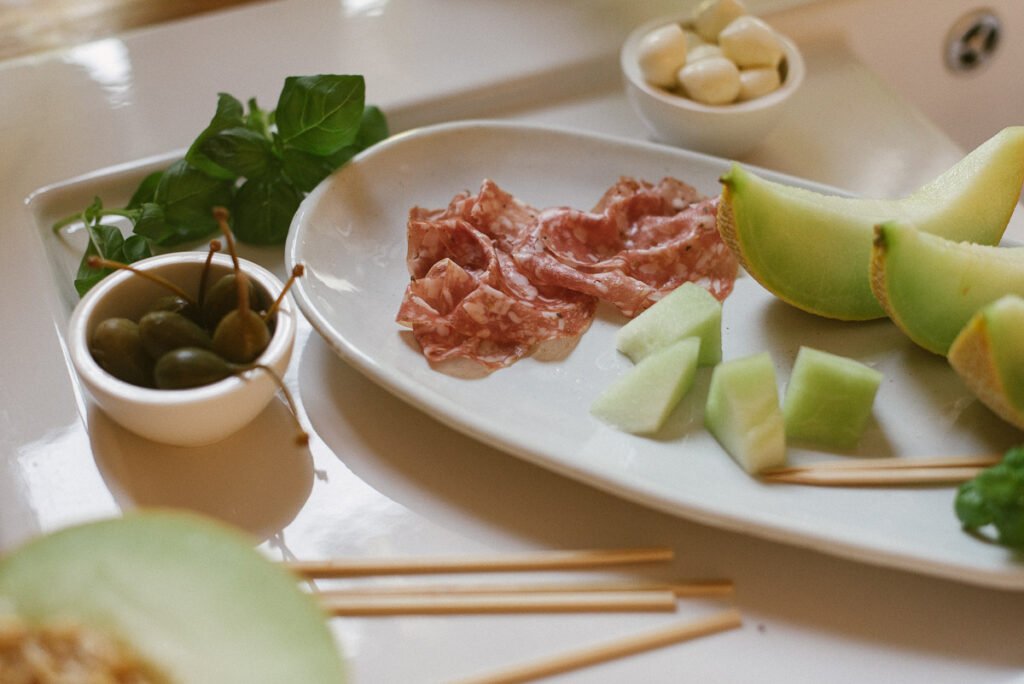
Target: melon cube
[
  {"x": 641, "y": 400},
  {"x": 743, "y": 414},
  {"x": 687, "y": 311},
  {"x": 829, "y": 399}
]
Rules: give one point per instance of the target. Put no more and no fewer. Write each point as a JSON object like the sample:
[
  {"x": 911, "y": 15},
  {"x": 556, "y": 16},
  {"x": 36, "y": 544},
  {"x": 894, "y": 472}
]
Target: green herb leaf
[
  {"x": 996, "y": 497},
  {"x": 106, "y": 241},
  {"x": 320, "y": 114},
  {"x": 229, "y": 114},
  {"x": 307, "y": 170},
  {"x": 264, "y": 208},
  {"x": 241, "y": 150},
  {"x": 146, "y": 190},
  {"x": 187, "y": 196}
]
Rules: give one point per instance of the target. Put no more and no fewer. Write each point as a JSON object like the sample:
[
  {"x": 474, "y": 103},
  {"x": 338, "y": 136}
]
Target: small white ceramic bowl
[
  {"x": 187, "y": 417},
  {"x": 725, "y": 130}
]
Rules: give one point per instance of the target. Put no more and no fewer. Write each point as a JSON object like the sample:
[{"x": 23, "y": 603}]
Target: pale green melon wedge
[
  {"x": 190, "y": 597},
  {"x": 930, "y": 286},
  {"x": 829, "y": 399},
  {"x": 687, "y": 311},
  {"x": 743, "y": 413},
  {"x": 989, "y": 355},
  {"x": 641, "y": 400},
  {"x": 812, "y": 250}
]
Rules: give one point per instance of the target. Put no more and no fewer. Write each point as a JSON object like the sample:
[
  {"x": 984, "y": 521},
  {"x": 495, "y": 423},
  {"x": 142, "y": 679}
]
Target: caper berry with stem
[
  {"x": 164, "y": 331},
  {"x": 190, "y": 367},
  {"x": 117, "y": 347}
]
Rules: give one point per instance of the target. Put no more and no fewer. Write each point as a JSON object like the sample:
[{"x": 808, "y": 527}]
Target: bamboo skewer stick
[
  {"x": 728, "y": 619},
  {"x": 691, "y": 589},
  {"x": 352, "y": 604},
  {"x": 875, "y": 472},
  {"x": 540, "y": 560}
]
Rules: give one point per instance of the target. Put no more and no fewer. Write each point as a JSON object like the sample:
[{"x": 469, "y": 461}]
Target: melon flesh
[
  {"x": 931, "y": 287},
  {"x": 641, "y": 400},
  {"x": 829, "y": 399},
  {"x": 743, "y": 414},
  {"x": 989, "y": 356},
  {"x": 687, "y": 311},
  {"x": 190, "y": 597},
  {"x": 812, "y": 249}
]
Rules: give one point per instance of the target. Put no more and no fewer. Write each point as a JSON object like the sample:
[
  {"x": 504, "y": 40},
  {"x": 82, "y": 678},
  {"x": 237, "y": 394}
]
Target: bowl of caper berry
[{"x": 184, "y": 348}]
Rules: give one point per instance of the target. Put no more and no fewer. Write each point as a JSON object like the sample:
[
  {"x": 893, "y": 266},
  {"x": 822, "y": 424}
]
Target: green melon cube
[
  {"x": 829, "y": 399},
  {"x": 743, "y": 414},
  {"x": 640, "y": 400},
  {"x": 687, "y": 311}
]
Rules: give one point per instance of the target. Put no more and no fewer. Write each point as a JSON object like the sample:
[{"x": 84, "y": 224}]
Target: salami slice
[{"x": 492, "y": 277}]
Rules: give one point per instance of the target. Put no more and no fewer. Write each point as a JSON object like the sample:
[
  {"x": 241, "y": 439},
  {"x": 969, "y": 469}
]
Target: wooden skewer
[
  {"x": 883, "y": 472},
  {"x": 893, "y": 464},
  {"x": 679, "y": 590},
  {"x": 497, "y": 602},
  {"x": 540, "y": 560},
  {"x": 729, "y": 619}
]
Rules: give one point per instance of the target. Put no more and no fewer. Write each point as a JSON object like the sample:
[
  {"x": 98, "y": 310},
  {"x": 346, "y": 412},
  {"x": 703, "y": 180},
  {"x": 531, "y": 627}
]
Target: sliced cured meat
[
  {"x": 640, "y": 242},
  {"x": 471, "y": 300},
  {"x": 492, "y": 277}
]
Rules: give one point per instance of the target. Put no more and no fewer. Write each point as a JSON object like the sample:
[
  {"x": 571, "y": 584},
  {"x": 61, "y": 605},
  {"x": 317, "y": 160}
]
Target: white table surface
[{"x": 404, "y": 484}]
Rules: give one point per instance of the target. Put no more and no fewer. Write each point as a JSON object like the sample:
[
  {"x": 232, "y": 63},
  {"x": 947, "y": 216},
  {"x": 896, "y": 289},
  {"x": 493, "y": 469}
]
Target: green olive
[
  {"x": 117, "y": 347},
  {"x": 164, "y": 331},
  {"x": 191, "y": 367}
]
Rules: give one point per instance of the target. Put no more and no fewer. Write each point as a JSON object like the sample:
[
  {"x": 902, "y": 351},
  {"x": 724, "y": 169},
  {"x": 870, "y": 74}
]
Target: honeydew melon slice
[
  {"x": 829, "y": 398},
  {"x": 640, "y": 401},
  {"x": 812, "y": 250},
  {"x": 687, "y": 311},
  {"x": 743, "y": 414},
  {"x": 930, "y": 286},
  {"x": 988, "y": 355},
  {"x": 191, "y": 598}
]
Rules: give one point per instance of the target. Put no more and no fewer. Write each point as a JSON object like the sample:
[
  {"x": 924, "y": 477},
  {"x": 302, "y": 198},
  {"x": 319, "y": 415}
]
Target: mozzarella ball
[
  {"x": 750, "y": 42},
  {"x": 661, "y": 54},
  {"x": 712, "y": 16},
  {"x": 703, "y": 52},
  {"x": 757, "y": 82},
  {"x": 712, "y": 81}
]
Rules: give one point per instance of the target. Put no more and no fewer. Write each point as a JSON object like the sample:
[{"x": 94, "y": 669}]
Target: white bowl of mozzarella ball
[{"x": 714, "y": 81}]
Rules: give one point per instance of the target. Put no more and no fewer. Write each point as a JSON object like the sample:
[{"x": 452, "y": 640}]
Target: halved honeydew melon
[
  {"x": 829, "y": 398},
  {"x": 988, "y": 355},
  {"x": 812, "y": 250},
  {"x": 931, "y": 287},
  {"x": 187, "y": 596},
  {"x": 687, "y": 311},
  {"x": 743, "y": 414},
  {"x": 641, "y": 400}
]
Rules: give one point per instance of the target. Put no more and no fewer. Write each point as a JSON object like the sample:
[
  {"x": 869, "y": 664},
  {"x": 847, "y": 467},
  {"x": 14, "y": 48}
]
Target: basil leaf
[
  {"x": 264, "y": 208},
  {"x": 242, "y": 151},
  {"x": 187, "y": 197},
  {"x": 320, "y": 114},
  {"x": 107, "y": 241},
  {"x": 147, "y": 188},
  {"x": 304, "y": 169},
  {"x": 229, "y": 114},
  {"x": 258, "y": 120}
]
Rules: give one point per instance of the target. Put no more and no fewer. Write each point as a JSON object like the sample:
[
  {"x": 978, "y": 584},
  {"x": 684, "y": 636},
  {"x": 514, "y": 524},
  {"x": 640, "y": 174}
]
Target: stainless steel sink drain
[{"x": 973, "y": 40}]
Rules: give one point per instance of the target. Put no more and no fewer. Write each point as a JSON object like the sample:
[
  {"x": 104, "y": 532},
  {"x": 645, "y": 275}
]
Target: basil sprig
[{"x": 260, "y": 164}]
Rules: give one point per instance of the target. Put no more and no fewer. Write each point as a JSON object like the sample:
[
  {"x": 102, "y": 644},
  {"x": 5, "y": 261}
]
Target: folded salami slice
[{"x": 492, "y": 277}]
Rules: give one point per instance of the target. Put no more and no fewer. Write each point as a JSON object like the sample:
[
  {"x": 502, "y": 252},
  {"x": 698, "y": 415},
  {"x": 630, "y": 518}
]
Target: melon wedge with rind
[
  {"x": 812, "y": 249},
  {"x": 687, "y": 311},
  {"x": 641, "y": 400},
  {"x": 931, "y": 287},
  {"x": 742, "y": 412},
  {"x": 829, "y": 399},
  {"x": 189, "y": 596},
  {"x": 988, "y": 355}
]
